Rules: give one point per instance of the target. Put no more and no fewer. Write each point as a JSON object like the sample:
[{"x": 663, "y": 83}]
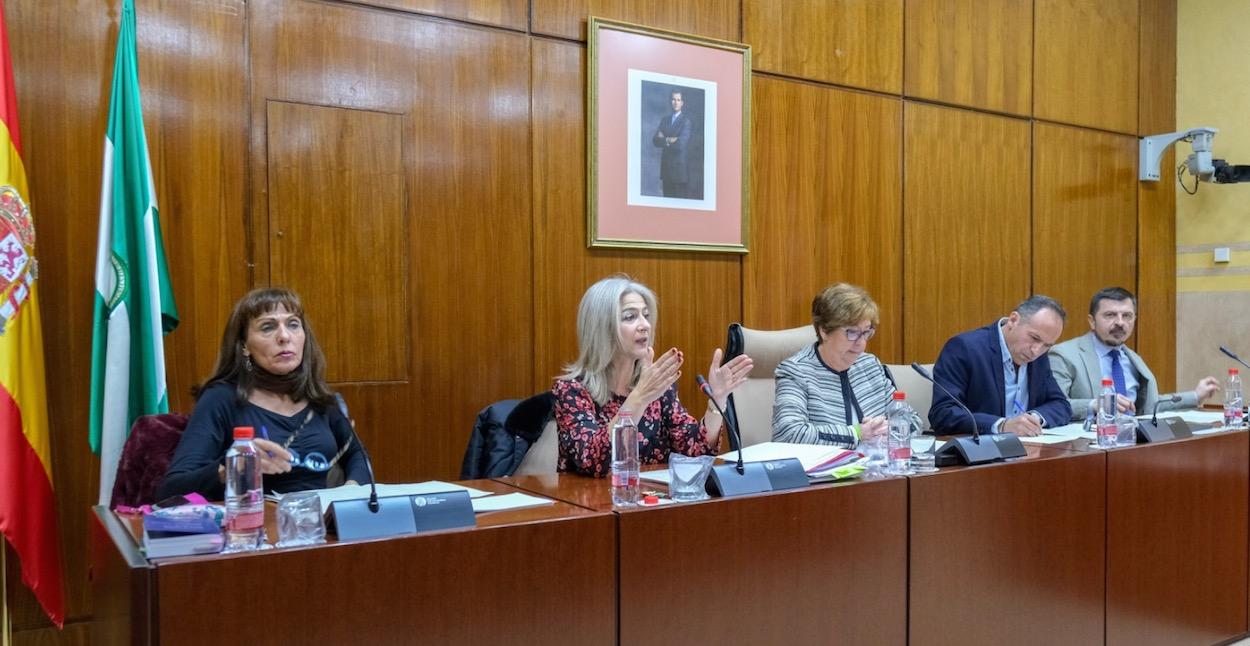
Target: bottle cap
[
  {"x": 1233, "y": 371},
  {"x": 650, "y": 500},
  {"x": 898, "y": 394},
  {"x": 243, "y": 432},
  {"x": 1107, "y": 382}
]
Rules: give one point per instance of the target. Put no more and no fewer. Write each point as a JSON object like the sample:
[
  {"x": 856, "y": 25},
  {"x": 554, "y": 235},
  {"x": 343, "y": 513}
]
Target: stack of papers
[
  {"x": 820, "y": 461},
  {"x": 482, "y": 500}
]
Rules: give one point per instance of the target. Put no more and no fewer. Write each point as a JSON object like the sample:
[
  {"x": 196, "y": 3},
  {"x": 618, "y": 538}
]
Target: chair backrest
[
  {"x": 541, "y": 458},
  {"x": 919, "y": 390},
  {"x": 145, "y": 458},
  {"x": 751, "y": 404}
]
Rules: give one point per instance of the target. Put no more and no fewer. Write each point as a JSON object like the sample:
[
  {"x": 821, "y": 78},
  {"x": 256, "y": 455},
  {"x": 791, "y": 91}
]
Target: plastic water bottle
[
  {"x": 1234, "y": 412},
  {"x": 245, "y": 495},
  {"x": 1105, "y": 419},
  {"x": 898, "y": 439},
  {"x": 624, "y": 460}
]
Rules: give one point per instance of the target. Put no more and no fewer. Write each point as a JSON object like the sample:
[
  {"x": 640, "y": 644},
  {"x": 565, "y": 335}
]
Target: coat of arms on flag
[{"x": 17, "y": 254}]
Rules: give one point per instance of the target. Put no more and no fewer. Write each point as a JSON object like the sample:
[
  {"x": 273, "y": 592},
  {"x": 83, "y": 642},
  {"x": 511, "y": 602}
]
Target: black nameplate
[
  {"x": 1149, "y": 432},
  {"x": 965, "y": 450},
  {"x": 399, "y": 515},
  {"x": 726, "y": 481}
]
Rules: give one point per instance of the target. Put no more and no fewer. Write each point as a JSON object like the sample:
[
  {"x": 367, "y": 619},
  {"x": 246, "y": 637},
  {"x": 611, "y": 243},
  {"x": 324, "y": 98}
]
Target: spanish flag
[{"x": 27, "y": 506}]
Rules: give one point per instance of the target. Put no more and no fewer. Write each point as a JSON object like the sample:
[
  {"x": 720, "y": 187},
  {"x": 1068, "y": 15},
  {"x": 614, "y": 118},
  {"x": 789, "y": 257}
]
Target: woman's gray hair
[{"x": 598, "y": 333}]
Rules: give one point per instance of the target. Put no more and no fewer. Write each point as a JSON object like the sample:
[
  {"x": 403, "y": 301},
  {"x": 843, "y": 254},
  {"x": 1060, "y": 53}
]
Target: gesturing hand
[
  {"x": 656, "y": 377},
  {"x": 724, "y": 379},
  {"x": 273, "y": 458}
]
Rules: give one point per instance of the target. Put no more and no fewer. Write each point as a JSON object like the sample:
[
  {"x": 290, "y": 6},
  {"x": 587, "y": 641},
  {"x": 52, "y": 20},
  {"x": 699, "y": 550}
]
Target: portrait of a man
[{"x": 673, "y": 130}]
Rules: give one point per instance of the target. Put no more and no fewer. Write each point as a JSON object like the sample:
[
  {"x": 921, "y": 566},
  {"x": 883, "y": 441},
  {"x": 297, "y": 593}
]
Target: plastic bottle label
[{"x": 246, "y": 521}]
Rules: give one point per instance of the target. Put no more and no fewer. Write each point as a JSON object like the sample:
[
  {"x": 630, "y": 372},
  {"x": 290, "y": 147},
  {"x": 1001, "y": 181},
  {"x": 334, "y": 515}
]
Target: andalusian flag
[
  {"x": 27, "y": 506},
  {"x": 134, "y": 305}
]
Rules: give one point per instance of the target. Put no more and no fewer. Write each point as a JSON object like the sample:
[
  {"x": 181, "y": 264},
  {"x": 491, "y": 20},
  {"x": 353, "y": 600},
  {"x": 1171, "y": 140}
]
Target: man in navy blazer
[{"x": 1002, "y": 373}]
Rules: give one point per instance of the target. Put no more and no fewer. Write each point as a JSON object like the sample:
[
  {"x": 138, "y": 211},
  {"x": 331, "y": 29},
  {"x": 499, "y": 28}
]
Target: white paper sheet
[
  {"x": 809, "y": 455},
  {"x": 505, "y": 501},
  {"x": 352, "y": 492}
]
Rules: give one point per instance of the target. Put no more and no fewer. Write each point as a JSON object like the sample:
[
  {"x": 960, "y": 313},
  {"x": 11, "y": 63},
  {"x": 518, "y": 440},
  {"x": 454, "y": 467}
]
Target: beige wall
[{"x": 1213, "y": 301}]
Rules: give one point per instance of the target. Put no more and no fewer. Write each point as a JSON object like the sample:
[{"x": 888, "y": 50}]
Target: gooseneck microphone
[
  {"x": 373, "y": 480},
  {"x": 1233, "y": 356},
  {"x": 707, "y": 390},
  {"x": 976, "y": 434},
  {"x": 1154, "y": 418}
]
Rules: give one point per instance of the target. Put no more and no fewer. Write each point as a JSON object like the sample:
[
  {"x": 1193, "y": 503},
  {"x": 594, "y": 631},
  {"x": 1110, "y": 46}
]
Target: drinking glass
[
  {"x": 876, "y": 455},
  {"x": 923, "y": 447},
  {"x": 687, "y": 476},
  {"x": 300, "y": 521},
  {"x": 1126, "y": 431}
]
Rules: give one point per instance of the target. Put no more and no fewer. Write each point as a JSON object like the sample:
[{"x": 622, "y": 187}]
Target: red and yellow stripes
[{"x": 27, "y": 505}]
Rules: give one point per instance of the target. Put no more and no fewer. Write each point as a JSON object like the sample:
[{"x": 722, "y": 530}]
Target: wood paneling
[
  {"x": 1084, "y": 216},
  {"x": 977, "y": 53},
  {"x": 699, "y": 294},
  {"x": 513, "y": 14},
  {"x": 1181, "y": 507},
  {"x": 567, "y": 18},
  {"x": 848, "y": 42},
  {"x": 1156, "y": 97},
  {"x": 825, "y": 205},
  {"x": 338, "y": 231},
  {"x": 1156, "y": 201},
  {"x": 193, "y": 81},
  {"x": 464, "y": 90},
  {"x": 1156, "y": 277},
  {"x": 1023, "y": 542},
  {"x": 489, "y": 242},
  {"x": 966, "y": 223},
  {"x": 1085, "y": 63}
]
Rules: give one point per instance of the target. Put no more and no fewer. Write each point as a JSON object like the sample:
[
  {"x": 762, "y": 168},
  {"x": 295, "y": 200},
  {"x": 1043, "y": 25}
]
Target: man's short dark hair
[
  {"x": 1036, "y": 303},
  {"x": 1111, "y": 294}
]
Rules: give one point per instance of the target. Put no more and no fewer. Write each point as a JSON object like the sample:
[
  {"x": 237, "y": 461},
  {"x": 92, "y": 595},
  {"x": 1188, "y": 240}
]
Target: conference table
[
  {"x": 544, "y": 575},
  {"x": 1069, "y": 544}
]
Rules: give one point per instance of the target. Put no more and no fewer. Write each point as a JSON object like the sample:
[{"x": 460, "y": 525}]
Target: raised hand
[
  {"x": 724, "y": 379},
  {"x": 656, "y": 377}
]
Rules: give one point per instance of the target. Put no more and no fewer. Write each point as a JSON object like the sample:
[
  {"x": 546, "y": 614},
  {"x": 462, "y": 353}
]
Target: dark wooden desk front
[
  {"x": 1140, "y": 545},
  {"x": 806, "y": 566},
  {"x": 535, "y": 576}
]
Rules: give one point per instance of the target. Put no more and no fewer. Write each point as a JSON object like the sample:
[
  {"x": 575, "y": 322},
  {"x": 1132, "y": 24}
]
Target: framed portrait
[{"x": 667, "y": 140}]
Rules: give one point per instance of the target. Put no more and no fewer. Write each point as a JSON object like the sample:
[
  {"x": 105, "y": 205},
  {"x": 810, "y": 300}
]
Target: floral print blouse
[{"x": 586, "y": 440}]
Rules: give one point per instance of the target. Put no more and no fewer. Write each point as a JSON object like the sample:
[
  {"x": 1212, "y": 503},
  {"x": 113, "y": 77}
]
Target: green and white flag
[{"x": 134, "y": 304}]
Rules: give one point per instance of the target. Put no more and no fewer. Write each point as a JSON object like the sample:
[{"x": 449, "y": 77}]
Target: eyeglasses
[{"x": 854, "y": 334}]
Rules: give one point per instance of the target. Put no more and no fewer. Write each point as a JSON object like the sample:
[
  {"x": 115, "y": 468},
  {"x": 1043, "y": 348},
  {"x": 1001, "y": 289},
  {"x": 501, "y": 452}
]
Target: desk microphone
[
  {"x": 733, "y": 428},
  {"x": 373, "y": 480},
  {"x": 1233, "y": 356},
  {"x": 1154, "y": 419},
  {"x": 976, "y": 434}
]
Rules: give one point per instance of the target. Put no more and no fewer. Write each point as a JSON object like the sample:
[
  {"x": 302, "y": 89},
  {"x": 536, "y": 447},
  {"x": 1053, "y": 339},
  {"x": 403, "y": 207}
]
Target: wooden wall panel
[
  {"x": 847, "y": 42},
  {"x": 1156, "y": 201},
  {"x": 464, "y": 90},
  {"x": 339, "y": 231},
  {"x": 966, "y": 222},
  {"x": 1085, "y": 63},
  {"x": 825, "y": 204},
  {"x": 1156, "y": 97},
  {"x": 567, "y": 18},
  {"x": 1084, "y": 216},
  {"x": 513, "y": 14},
  {"x": 699, "y": 294},
  {"x": 193, "y": 82},
  {"x": 977, "y": 53}
]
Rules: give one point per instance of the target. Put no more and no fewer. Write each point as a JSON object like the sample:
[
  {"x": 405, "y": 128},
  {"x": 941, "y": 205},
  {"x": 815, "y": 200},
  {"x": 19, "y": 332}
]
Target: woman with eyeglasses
[
  {"x": 270, "y": 375},
  {"x": 833, "y": 391},
  {"x": 617, "y": 370}
]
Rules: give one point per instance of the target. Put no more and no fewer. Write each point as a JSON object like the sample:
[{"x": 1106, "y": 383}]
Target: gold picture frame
[{"x": 667, "y": 140}]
